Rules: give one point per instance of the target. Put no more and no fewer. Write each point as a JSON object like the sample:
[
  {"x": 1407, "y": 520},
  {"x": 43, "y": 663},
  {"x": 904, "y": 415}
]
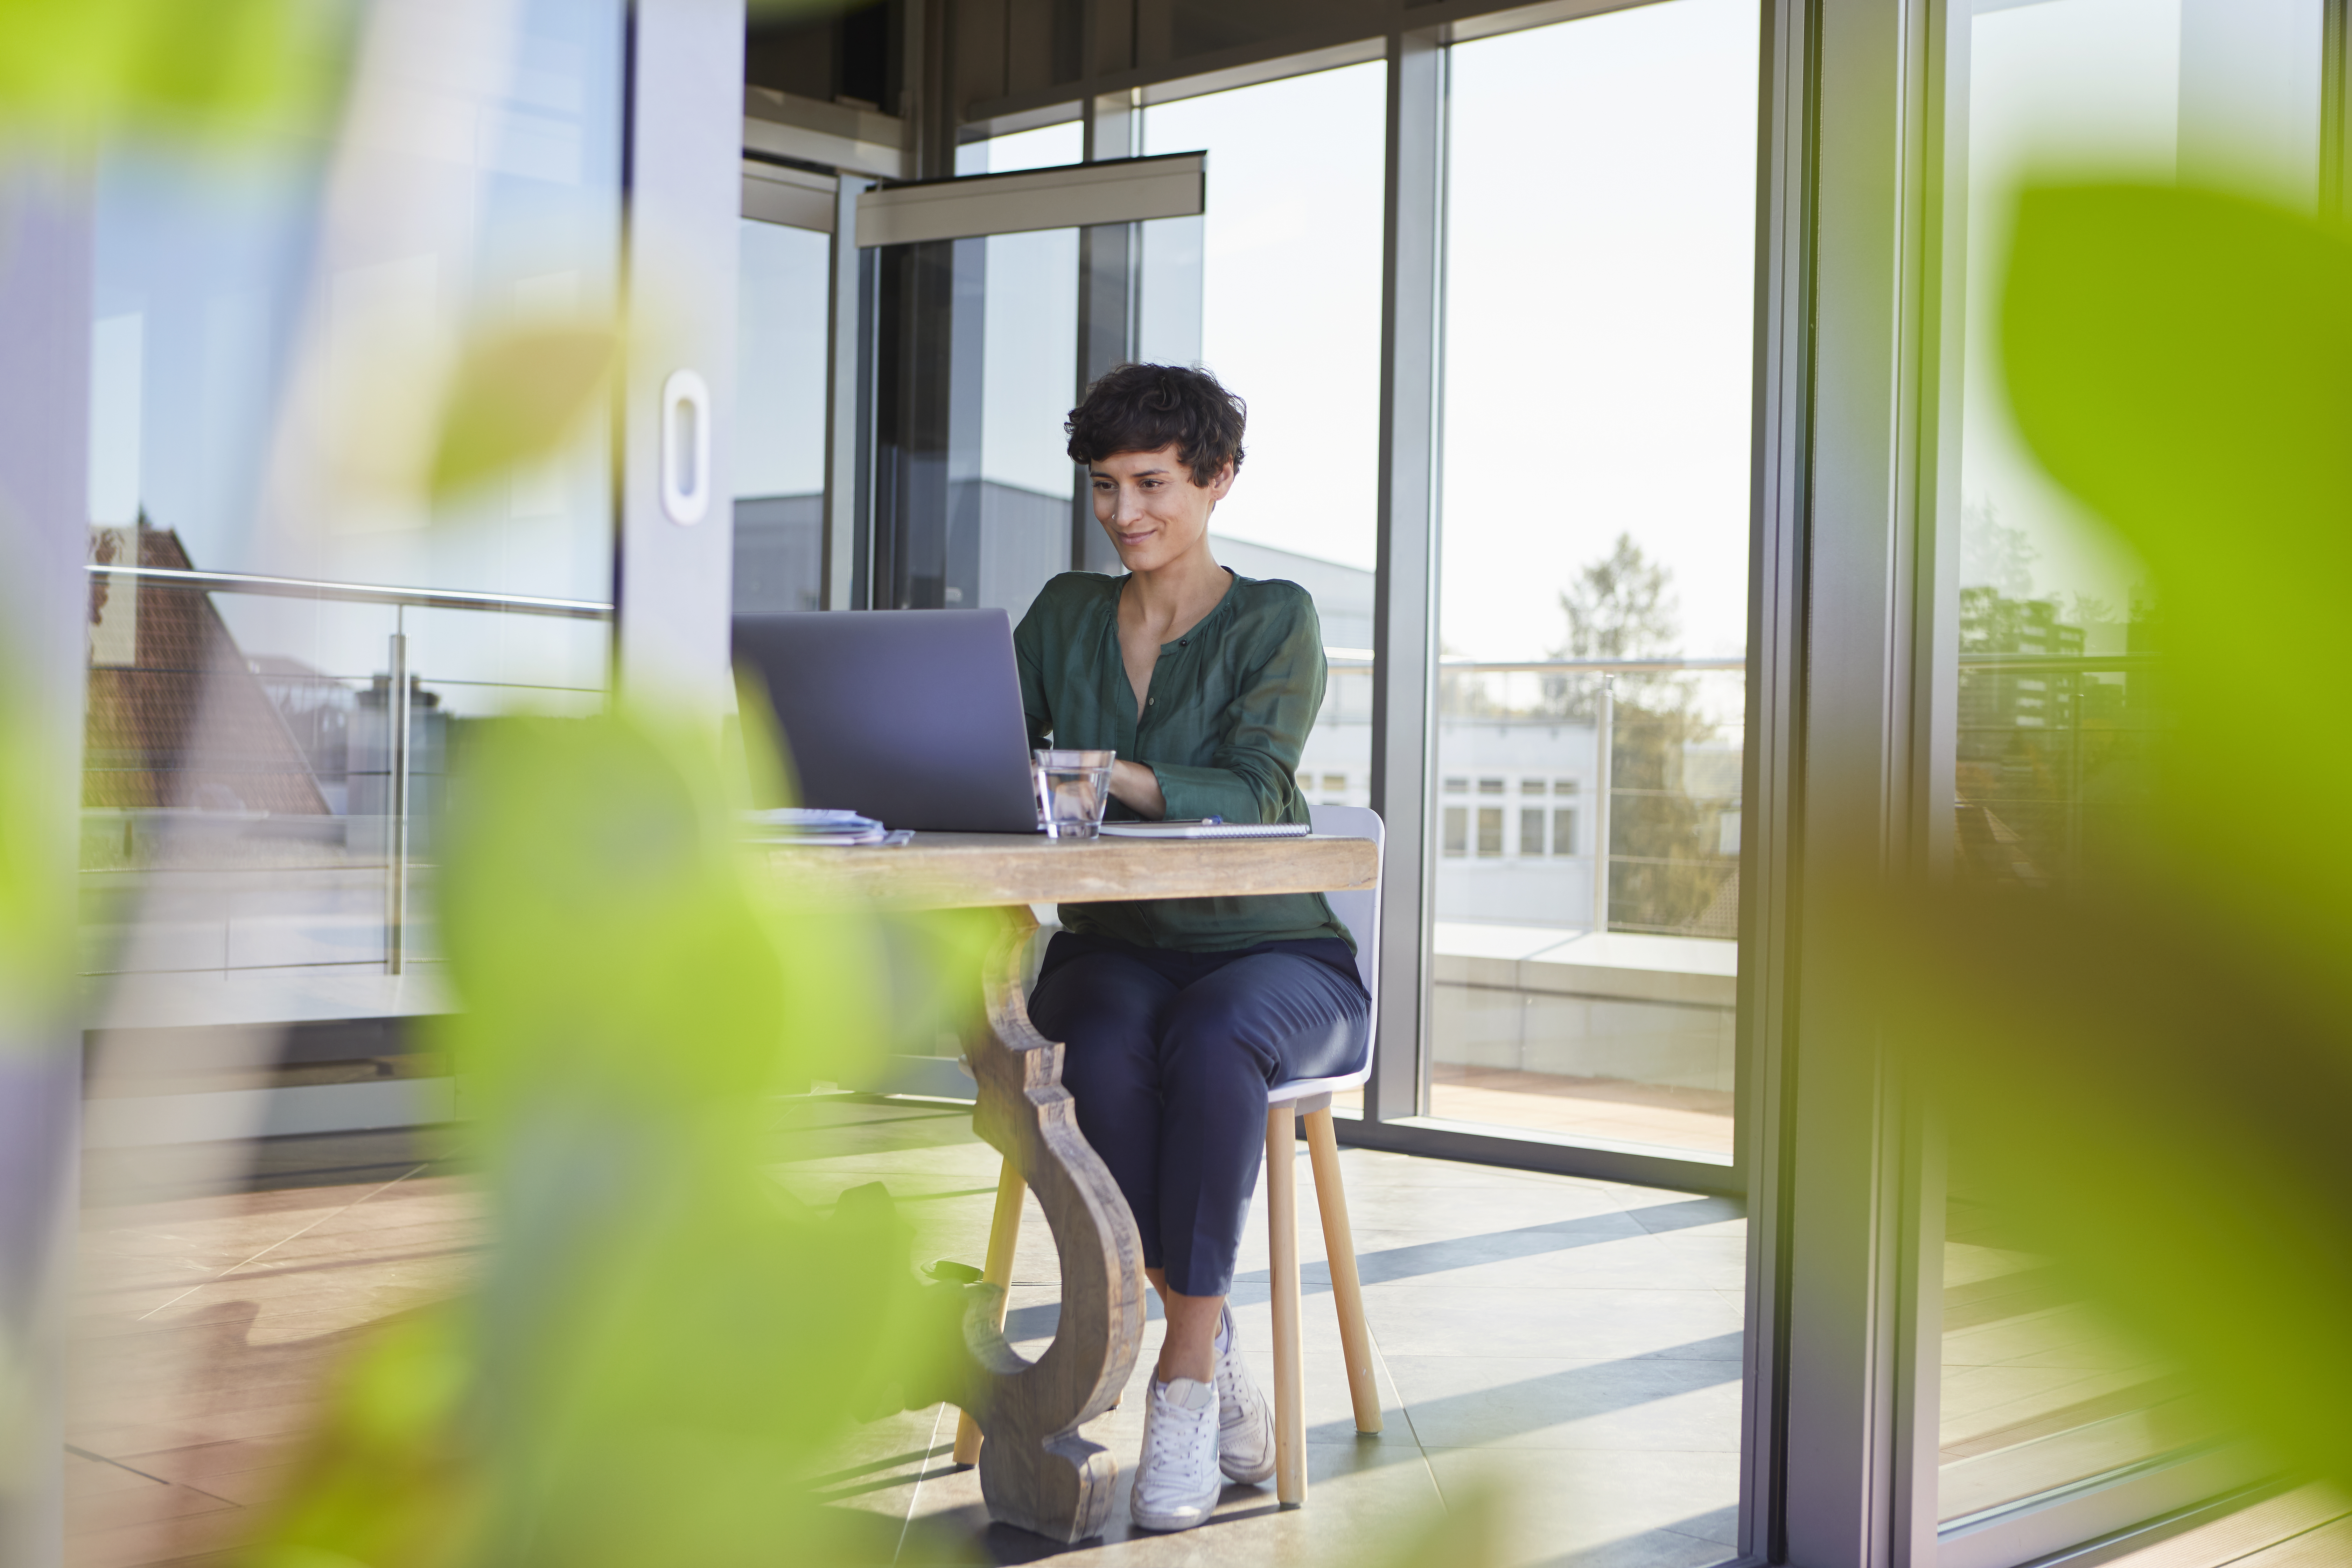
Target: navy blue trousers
[{"x": 1170, "y": 1054}]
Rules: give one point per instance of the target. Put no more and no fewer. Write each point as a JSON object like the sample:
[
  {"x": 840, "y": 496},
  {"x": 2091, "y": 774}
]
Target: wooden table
[{"x": 1035, "y": 1469}]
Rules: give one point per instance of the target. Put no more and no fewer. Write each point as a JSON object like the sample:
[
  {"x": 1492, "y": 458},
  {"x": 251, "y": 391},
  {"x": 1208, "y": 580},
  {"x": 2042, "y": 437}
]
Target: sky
[{"x": 1599, "y": 344}]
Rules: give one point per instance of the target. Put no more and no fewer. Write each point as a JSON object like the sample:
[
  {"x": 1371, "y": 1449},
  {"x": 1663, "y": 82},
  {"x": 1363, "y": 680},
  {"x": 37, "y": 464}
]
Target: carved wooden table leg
[{"x": 1035, "y": 1470}]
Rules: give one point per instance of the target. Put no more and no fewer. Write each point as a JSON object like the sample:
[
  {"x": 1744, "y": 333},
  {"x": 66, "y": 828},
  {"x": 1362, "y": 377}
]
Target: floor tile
[
  {"x": 1584, "y": 1325},
  {"x": 1523, "y": 1325},
  {"x": 1584, "y": 1509},
  {"x": 1469, "y": 1402}
]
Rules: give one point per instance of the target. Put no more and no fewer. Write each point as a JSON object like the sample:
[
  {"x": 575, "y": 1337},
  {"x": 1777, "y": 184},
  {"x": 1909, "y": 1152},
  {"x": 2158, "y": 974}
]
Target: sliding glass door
[
  {"x": 2052, "y": 1426},
  {"x": 1601, "y": 215}
]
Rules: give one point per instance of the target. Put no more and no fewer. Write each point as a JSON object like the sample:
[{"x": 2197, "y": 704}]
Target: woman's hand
[{"x": 1137, "y": 788}]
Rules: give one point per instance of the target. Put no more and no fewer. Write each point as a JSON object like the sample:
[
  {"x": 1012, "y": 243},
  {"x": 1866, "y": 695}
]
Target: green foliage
[
  {"x": 2150, "y": 1070},
  {"x": 520, "y": 393},
  {"x": 74, "y": 69},
  {"x": 1666, "y": 872},
  {"x": 36, "y": 930},
  {"x": 662, "y": 1342},
  {"x": 1620, "y": 606},
  {"x": 1465, "y": 1533}
]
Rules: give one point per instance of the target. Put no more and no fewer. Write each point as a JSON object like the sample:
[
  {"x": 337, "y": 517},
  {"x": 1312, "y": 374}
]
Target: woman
[{"x": 1176, "y": 1014}]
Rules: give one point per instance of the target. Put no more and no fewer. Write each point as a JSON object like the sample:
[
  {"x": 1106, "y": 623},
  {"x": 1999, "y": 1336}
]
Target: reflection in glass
[
  {"x": 270, "y": 333},
  {"x": 976, "y": 364},
  {"x": 1599, "y": 230},
  {"x": 977, "y": 371},
  {"x": 2058, "y": 663}
]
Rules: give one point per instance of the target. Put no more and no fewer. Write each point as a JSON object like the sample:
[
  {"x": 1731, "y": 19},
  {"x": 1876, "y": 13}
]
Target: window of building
[
  {"x": 1457, "y": 831},
  {"x": 1276, "y": 288},
  {"x": 779, "y": 390},
  {"x": 974, "y": 361},
  {"x": 1599, "y": 230},
  {"x": 1490, "y": 831}
]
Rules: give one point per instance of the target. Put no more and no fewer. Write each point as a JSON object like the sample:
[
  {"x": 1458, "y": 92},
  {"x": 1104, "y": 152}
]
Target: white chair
[
  {"x": 1286, "y": 1104},
  {"x": 1310, "y": 1099}
]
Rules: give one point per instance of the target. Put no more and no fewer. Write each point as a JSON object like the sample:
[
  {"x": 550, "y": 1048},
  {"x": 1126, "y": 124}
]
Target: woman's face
[{"x": 1149, "y": 506}]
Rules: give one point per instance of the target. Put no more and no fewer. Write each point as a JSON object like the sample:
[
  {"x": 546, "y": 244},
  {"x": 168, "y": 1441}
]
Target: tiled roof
[{"x": 186, "y": 724}]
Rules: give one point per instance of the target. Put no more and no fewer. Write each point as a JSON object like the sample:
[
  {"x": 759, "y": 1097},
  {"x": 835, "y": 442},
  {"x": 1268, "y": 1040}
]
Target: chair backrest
[{"x": 1360, "y": 912}]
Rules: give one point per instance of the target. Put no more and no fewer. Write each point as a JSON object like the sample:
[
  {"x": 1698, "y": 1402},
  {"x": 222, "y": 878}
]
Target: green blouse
[{"x": 1224, "y": 723}]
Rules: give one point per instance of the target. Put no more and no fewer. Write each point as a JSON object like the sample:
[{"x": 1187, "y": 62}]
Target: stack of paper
[{"x": 806, "y": 824}]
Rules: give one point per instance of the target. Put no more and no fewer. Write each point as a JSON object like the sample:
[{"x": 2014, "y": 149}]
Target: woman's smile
[{"x": 1152, "y": 508}]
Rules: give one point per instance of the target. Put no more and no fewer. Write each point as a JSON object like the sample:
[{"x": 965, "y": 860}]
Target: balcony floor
[{"x": 1577, "y": 1342}]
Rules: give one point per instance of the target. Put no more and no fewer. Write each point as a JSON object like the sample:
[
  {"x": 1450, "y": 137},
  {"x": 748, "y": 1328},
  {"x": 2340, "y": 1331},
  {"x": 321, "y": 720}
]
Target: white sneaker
[
  {"x": 1244, "y": 1419},
  {"x": 1176, "y": 1482}
]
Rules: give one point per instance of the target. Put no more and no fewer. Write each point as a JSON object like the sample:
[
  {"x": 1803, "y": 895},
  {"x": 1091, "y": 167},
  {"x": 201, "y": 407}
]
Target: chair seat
[{"x": 1302, "y": 1087}]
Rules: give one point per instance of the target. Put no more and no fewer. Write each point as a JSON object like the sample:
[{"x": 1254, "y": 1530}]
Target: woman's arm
[{"x": 1137, "y": 787}]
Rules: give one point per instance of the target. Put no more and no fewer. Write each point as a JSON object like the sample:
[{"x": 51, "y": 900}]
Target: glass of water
[{"x": 1073, "y": 788}]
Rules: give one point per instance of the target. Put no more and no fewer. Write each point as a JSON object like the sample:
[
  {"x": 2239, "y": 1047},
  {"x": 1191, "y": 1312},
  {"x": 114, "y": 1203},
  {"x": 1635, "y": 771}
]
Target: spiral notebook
[{"x": 1205, "y": 828}]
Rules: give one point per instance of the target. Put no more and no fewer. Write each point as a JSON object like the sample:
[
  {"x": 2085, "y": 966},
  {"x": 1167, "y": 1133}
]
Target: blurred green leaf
[
  {"x": 519, "y": 393},
  {"x": 2151, "y": 1072},
  {"x": 662, "y": 1342},
  {"x": 1466, "y": 1532},
  {"x": 78, "y": 68},
  {"x": 37, "y": 957}
]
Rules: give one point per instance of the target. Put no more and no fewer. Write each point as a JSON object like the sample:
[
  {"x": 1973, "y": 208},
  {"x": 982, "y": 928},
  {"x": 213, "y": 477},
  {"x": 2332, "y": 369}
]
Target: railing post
[
  {"x": 1605, "y": 726},
  {"x": 395, "y": 718}
]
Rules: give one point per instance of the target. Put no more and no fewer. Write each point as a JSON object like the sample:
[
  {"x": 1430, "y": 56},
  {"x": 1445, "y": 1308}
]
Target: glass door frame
[
  {"x": 1396, "y": 1106},
  {"x": 2102, "y": 1516}
]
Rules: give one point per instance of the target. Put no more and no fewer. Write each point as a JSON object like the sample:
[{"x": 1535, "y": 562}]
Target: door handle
[{"x": 685, "y": 446}]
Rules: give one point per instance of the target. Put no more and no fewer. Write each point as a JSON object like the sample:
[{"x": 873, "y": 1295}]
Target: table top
[{"x": 965, "y": 870}]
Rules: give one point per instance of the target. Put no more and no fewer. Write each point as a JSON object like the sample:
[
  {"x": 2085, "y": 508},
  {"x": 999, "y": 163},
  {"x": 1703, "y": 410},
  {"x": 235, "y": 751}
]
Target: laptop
[{"x": 911, "y": 716}]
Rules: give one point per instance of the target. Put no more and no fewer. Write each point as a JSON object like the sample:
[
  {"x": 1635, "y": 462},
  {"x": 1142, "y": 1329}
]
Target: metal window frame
[
  {"x": 1110, "y": 193},
  {"x": 1397, "y": 1101}
]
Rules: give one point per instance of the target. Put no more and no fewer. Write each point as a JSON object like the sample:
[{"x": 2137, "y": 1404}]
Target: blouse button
[{"x": 1182, "y": 643}]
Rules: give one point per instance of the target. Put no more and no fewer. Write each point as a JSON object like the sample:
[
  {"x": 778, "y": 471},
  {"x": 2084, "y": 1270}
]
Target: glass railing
[{"x": 265, "y": 764}]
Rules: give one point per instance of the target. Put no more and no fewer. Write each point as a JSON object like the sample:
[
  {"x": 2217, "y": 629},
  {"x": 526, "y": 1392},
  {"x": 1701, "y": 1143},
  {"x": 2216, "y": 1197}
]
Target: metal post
[
  {"x": 1604, "y": 732},
  {"x": 845, "y": 574},
  {"x": 1107, "y": 254},
  {"x": 395, "y": 718},
  {"x": 1404, "y": 590}
]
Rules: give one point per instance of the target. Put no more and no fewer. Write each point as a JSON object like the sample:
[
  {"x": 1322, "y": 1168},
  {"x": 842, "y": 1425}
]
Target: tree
[
  {"x": 1620, "y": 606},
  {"x": 1666, "y": 870}
]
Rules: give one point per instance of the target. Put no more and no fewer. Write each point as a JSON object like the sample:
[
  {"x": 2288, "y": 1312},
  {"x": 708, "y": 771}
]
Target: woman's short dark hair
[{"x": 1144, "y": 408}]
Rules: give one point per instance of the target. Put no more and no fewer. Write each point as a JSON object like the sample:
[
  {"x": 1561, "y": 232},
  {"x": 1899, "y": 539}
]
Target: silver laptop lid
[{"x": 912, "y": 717}]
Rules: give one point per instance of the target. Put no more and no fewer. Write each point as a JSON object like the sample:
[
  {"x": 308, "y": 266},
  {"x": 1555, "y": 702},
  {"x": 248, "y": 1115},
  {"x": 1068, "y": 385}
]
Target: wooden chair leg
[
  {"x": 1003, "y": 1232},
  {"x": 1290, "y": 1376},
  {"x": 1347, "y": 1289}
]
